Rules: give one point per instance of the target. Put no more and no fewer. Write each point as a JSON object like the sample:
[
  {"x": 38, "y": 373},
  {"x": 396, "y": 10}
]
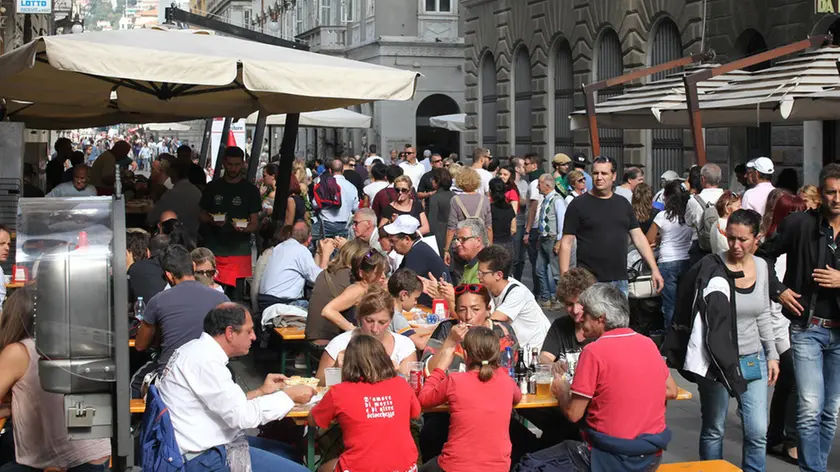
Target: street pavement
[{"x": 683, "y": 417}]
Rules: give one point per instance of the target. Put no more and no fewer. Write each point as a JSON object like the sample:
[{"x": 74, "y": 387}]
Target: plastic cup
[
  {"x": 333, "y": 376},
  {"x": 544, "y": 377}
]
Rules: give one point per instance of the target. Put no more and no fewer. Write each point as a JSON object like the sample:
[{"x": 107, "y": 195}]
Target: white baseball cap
[
  {"x": 404, "y": 224},
  {"x": 670, "y": 175},
  {"x": 762, "y": 164}
]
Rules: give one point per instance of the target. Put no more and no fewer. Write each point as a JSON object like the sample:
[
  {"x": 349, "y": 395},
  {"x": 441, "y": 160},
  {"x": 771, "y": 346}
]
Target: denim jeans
[
  {"x": 266, "y": 456},
  {"x": 816, "y": 365},
  {"x": 623, "y": 286},
  {"x": 331, "y": 229},
  {"x": 15, "y": 467},
  {"x": 519, "y": 252},
  {"x": 548, "y": 268},
  {"x": 533, "y": 249},
  {"x": 752, "y": 409},
  {"x": 671, "y": 272}
]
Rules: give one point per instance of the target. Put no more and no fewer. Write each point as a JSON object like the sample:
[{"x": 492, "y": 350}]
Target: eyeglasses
[
  {"x": 471, "y": 288},
  {"x": 412, "y": 152},
  {"x": 464, "y": 239},
  {"x": 582, "y": 179},
  {"x": 206, "y": 273},
  {"x": 403, "y": 190},
  {"x": 482, "y": 273},
  {"x": 356, "y": 223}
]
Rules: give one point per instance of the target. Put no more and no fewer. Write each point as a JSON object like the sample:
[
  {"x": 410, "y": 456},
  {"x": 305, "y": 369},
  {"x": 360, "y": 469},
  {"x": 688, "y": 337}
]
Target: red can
[{"x": 415, "y": 379}]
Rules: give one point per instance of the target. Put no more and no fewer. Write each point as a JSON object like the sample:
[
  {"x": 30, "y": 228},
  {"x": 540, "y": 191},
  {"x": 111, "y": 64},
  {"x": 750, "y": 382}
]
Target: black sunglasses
[{"x": 404, "y": 190}]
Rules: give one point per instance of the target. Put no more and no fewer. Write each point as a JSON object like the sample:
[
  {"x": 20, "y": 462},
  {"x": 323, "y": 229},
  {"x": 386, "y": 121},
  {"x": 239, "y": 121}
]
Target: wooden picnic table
[{"x": 700, "y": 466}]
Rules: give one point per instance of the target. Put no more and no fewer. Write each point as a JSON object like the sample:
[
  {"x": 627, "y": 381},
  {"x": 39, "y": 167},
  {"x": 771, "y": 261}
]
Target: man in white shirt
[
  {"x": 78, "y": 187},
  {"x": 413, "y": 169},
  {"x": 291, "y": 265},
  {"x": 760, "y": 172},
  {"x": 481, "y": 158},
  {"x": 364, "y": 228},
  {"x": 513, "y": 302},
  {"x": 334, "y": 220},
  {"x": 710, "y": 177},
  {"x": 372, "y": 158},
  {"x": 378, "y": 181},
  {"x": 210, "y": 412}
]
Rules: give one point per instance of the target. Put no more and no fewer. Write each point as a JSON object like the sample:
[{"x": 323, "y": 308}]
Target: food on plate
[{"x": 298, "y": 380}]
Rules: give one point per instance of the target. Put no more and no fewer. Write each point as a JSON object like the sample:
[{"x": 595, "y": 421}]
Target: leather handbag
[{"x": 640, "y": 281}]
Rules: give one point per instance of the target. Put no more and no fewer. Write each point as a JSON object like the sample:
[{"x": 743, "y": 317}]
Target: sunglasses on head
[{"x": 471, "y": 288}]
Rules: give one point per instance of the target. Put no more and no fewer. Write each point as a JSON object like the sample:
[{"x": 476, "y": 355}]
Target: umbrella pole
[
  {"x": 287, "y": 158},
  {"x": 217, "y": 169},
  {"x": 205, "y": 142},
  {"x": 256, "y": 147}
]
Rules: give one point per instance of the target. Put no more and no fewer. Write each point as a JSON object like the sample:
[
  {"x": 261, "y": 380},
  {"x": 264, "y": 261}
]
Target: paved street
[{"x": 683, "y": 416}]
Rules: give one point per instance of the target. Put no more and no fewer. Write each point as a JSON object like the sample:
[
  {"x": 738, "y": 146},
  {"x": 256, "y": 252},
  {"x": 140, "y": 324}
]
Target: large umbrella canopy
[
  {"x": 640, "y": 107},
  {"x": 456, "y": 122},
  {"x": 167, "y": 127},
  {"x": 792, "y": 91},
  {"x": 337, "y": 118},
  {"x": 161, "y": 73},
  {"x": 40, "y": 116}
]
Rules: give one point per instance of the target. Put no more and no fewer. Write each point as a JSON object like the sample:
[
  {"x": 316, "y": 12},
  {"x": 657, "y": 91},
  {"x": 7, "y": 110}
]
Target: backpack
[
  {"x": 707, "y": 224},
  {"x": 478, "y": 213},
  {"x": 328, "y": 193}
]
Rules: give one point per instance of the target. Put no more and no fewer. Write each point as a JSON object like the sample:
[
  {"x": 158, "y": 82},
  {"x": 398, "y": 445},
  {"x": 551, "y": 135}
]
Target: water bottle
[
  {"x": 507, "y": 362},
  {"x": 139, "y": 308}
]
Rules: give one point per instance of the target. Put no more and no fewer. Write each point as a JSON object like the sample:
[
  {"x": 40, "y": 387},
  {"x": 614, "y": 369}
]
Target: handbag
[
  {"x": 640, "y": 282},
  {"x": 750, "y": 367}
]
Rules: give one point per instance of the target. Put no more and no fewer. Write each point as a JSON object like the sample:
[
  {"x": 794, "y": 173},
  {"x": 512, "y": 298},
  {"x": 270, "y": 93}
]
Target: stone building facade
[{"x": 526, "y": 62}]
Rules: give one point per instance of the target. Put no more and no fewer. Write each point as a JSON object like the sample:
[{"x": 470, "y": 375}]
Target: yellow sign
[{"x": 826, "y": 6}]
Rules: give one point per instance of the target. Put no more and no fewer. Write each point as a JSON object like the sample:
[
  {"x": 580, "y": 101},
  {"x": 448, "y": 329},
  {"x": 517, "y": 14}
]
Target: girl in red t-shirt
[
  {"x": 480, "y": 404},
  {"x": 373, "y": 407}
]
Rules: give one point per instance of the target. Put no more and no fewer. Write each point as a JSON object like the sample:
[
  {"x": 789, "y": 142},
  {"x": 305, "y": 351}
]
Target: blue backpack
[{"x": 157, "y": 437}]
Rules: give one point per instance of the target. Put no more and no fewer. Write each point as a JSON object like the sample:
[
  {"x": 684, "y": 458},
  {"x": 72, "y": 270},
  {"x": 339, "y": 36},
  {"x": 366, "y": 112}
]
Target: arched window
[
  {"x": 609, "y": 64},
  {"x": 488, "y": 103},
  {"x": 564, "y": 97},
  {"x": 758, "y": 138},
  {"x": 522, "y": 101},
  {"x": 667, "y": 144}
]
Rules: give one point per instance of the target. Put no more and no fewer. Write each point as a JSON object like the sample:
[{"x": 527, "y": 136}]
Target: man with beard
[{"x": 229, "y": 210}]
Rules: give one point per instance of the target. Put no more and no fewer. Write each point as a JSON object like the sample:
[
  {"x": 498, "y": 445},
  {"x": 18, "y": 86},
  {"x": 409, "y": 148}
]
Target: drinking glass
[
  {"x": 544, "y": 377},
  {"x": 333, "y": 376}
]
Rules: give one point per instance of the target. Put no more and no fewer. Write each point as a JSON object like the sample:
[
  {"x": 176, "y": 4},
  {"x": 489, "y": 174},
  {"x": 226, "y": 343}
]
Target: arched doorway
[
  {"x": 563, "y": 99},
  {"x": 666, "y": 144},
  {"x": 522, "y": 101},
  {"x": 437, "y": 140},
  {"x": 487, "y": 112},
  {"x": 609, "y": 63},
  {"x": 758, "y": 138}
]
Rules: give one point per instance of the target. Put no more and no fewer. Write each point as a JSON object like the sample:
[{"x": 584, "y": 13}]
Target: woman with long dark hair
[
  {"x": 40, "y": 433},
  {"x": 503, "y": 215},
  {"x": 673, "y": 237}
]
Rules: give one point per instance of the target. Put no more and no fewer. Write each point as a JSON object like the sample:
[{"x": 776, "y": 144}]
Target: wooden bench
[
  {"x": 683, "y": 394},
  {"x": 291, "y": 335},
  {"x": 699, "y": 466}
]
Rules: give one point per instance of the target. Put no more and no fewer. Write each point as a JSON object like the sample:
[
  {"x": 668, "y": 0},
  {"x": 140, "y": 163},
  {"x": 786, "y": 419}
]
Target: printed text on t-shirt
[{"x": 379, "y": 407}]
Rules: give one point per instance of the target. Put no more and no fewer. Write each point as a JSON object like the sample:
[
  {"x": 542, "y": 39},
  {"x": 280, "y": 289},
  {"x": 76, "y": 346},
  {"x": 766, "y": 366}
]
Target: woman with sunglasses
[
  {"x": 578, "y": 183},
  {"x": 205, "y": 267},
  {"x": 405, "y": 204},
  {"x": 375, "y": 315},
  {"x": 472, "y": 309}
]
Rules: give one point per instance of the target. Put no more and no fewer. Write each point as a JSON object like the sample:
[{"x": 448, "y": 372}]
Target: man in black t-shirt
[
  {"x": 426, "y": 189},
  {"x": 352, "y": 176},
  {"x": 600, "y": 221}
]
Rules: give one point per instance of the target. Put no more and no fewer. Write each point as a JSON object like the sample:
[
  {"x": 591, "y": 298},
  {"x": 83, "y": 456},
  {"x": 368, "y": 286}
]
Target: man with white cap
[
  {"x": 659, "y": 198},
  {"x": 760, "y": 171},
  {"x": 418, "y": 256}
]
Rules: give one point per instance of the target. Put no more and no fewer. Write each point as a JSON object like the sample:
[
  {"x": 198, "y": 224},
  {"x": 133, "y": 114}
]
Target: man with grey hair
[
  {"x": 617, "y": 361},
  {"x": 699, "y": 212},
  {"x": 550, "y": 216},
  {"x": 470, "y": 238},
  {"x": 364, "y": 228}
]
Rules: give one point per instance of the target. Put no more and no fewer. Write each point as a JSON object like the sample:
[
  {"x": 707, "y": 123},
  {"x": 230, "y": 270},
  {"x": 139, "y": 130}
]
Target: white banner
[{"x": 34, "y": 6}]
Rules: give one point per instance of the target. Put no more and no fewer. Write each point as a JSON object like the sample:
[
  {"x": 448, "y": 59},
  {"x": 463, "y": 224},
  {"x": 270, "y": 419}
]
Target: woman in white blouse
[
  {"x": 727, "y": 204},
  {"x": 375, "y": 312}
]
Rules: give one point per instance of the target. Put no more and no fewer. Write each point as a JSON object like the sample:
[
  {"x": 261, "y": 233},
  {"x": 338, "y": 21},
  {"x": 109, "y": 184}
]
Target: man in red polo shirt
[{"x": 623, "y": 382}]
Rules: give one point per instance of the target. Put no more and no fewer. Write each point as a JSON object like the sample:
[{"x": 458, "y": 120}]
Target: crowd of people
[{"x": 695, "y": 275}]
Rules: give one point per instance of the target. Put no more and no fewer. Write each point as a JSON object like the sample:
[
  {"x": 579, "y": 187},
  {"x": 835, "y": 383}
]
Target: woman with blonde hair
[
  {"x": 405, "y": 204},
  {"x": 329, "y": 284},
  {"x": 811, "y": 195},
  {"x": 469, "y": 204}
]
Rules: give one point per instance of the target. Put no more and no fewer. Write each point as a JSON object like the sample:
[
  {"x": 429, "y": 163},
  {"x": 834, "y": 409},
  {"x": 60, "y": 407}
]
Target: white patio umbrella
[
  {"x": 336, "y": 118},
  {"x": 792, "y": 91},
  {"x": 167, "y": 127},
  {"x": 456, "y": 122},
  {"x": 182, "y": 76},
  {"x": 640, "y": 106}
]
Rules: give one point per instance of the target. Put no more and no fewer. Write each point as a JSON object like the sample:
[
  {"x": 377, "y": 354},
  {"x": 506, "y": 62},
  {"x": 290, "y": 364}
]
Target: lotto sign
[
  {"x": 827, "y": 6},
  {"x": 34, "y": 6}
]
